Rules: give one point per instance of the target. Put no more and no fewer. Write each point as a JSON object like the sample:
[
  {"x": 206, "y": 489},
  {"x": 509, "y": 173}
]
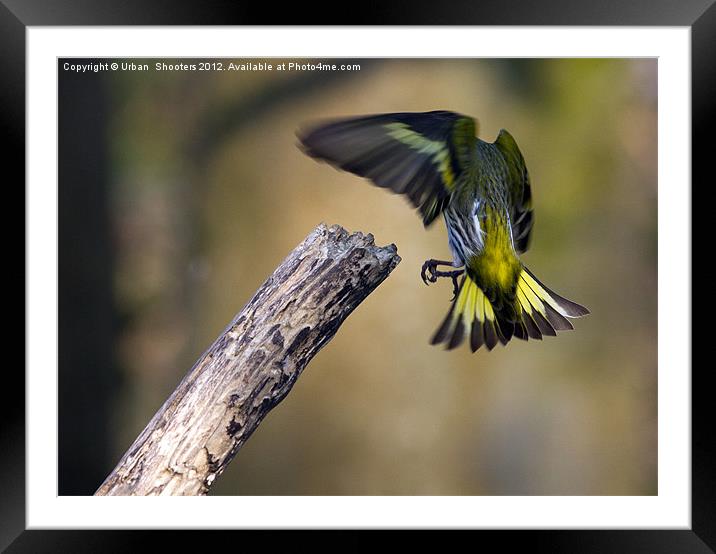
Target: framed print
[{"x": 170, "y": 169}]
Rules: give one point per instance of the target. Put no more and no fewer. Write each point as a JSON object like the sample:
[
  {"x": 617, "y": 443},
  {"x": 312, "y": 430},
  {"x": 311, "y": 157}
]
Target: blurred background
[{"x": 180, "y": 192}]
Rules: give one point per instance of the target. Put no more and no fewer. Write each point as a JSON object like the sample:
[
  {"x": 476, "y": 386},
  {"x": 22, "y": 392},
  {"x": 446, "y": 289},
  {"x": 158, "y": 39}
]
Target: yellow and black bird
[{"x": 483, "y": 191}]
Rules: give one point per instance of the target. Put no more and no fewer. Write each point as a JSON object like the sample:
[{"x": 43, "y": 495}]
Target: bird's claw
[
  {"x": 430, "y": 274},
  {"x": 428, "y": 267}
]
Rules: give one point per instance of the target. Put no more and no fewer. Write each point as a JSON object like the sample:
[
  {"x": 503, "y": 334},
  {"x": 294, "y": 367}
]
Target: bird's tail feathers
[
  {"x": 470, "y": 312},
  {"x": 541, "y": 311},
  {"x": 537, "y": 311}
]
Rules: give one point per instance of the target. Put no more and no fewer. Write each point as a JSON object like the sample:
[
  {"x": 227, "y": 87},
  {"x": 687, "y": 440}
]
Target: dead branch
[{"x": 252, "y": 365}]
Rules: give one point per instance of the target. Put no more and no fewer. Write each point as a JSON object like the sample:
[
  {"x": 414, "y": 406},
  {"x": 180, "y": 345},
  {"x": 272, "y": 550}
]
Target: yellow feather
[
  {"x": 480, "y": 306},
  {"x": 440, "y": 155},
  {"x": 488, "y": 310},
  {"x": 462, "y": 299},
  {"x": 539, "y": 290},
  {"x": 533, "y": 298},
  {"x": 469, "y": 312},
  {"x": 534, "y": 285},
  {"x": 523, "y": 302}
]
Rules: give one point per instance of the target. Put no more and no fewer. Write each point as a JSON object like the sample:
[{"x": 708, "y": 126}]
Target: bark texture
[{"x": 252, "y": 365}]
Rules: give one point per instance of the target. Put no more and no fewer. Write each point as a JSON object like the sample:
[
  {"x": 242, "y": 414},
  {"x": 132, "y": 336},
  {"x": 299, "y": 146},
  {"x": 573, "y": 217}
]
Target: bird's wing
[
  {"x": 420, "y": 155},
  {"x": 520, "y": 190}
]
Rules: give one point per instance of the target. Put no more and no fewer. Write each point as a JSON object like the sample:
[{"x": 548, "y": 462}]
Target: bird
[{"x": 482, "y": 190}]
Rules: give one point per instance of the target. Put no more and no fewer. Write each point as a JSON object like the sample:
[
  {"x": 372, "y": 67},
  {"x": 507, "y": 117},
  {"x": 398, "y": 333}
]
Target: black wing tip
[
  {"x": 458, "y": 335},
  {"x": 310, "y": 133},
  {"x": 557, "y": 320},
  {"x": 442, "y": 332},
  {"x": 578, "y": 309},
  {"x": 543, "y": 325},
  {"x": 571, "y": 309},
  {"x": 520, "y": 331},
  {"x": 306, "y": 142},
  {"x": 476, "y": 337},
  {"x": 505, "y": 330},
  {"x": 491, "y": 339},
  {"x": 306, "y": 149},
  {"x": 532, "y": 330}
]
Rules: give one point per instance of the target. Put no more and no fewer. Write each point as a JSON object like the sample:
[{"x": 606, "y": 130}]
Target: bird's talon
[
  {"x": 430, "y": 274},
  {"x": 427, "y": 273},
  {"x": 422, "y": 274}
]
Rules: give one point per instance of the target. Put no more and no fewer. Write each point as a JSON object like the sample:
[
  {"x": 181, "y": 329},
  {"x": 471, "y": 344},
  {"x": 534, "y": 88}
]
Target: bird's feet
[{"x": 430, "y": 274}]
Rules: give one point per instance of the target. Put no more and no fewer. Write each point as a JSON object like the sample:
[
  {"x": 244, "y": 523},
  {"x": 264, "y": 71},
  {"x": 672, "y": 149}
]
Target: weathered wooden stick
[{"x": 253, "y": 364}]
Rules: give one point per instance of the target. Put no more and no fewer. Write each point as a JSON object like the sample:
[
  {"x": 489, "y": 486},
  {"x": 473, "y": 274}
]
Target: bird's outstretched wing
[
  {"x": 520, "y": 191},
  {"x": 420, "y": 155}
]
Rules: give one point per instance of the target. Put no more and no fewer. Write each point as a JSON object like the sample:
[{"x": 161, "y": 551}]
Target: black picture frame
[{"x": 699, "y": 15}]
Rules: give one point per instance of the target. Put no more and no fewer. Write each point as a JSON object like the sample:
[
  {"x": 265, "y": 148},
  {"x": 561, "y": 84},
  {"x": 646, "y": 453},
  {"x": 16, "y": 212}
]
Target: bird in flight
[{"x": 483, "y": 192}]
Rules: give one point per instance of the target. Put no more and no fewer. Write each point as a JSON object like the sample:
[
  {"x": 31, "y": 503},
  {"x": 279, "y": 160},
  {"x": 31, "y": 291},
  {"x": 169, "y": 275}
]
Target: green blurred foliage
[{"x": 210, "y": 194}]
